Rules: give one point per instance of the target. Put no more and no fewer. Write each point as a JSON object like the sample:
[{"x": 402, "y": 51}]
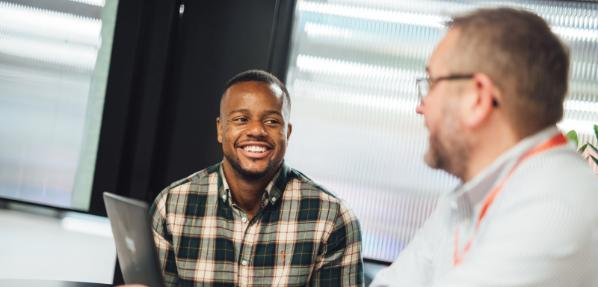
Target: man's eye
[
  {"x": 272, "y": 122},
  {"x": 240, "y": 120}
]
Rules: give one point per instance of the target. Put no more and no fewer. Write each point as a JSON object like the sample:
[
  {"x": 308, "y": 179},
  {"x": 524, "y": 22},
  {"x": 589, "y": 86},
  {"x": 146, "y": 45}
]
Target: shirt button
[
  {"x": 244, "y": 262},
  {"x": 244, "y": 219},
  {"x": 273, "y": 199}
]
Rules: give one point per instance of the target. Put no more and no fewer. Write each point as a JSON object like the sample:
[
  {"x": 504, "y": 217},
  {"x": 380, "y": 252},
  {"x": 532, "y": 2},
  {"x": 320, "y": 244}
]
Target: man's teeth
[{"x": 253, "y": 148}]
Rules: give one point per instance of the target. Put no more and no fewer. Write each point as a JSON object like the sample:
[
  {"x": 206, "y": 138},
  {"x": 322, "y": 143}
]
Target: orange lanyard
[{"x": 555, "y": 141}]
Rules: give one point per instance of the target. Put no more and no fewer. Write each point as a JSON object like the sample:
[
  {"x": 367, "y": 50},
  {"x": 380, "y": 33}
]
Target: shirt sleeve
[
  {"x": 341, "y": 263},
  {"x": 163, "y": 239},
  {"x": 413, "y": 267}
]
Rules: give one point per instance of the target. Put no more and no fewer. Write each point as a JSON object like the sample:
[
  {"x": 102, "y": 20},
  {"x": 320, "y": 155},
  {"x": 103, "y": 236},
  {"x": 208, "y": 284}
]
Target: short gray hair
[{"x": 522, "y": 56}]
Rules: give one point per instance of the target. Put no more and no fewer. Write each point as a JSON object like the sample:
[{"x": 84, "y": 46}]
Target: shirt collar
[
  {"x": 273, "y": 192},
  {"x": 478, "y": 187}
]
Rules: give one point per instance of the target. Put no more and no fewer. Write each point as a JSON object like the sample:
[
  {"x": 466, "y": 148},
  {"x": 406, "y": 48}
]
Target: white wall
[{"x": 55, "y": 246}]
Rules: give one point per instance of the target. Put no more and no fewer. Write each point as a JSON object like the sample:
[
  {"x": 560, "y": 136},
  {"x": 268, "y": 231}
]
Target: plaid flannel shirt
[{"x": 302, "y": 235}]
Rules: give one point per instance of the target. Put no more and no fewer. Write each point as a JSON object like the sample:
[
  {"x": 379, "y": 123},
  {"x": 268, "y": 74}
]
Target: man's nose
[
  {"x": 420, "y": 108},
  {"x": 256, "y": 128}
]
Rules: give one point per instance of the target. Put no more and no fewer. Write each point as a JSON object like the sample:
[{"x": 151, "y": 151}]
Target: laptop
[{"x": 134, "y": 241}]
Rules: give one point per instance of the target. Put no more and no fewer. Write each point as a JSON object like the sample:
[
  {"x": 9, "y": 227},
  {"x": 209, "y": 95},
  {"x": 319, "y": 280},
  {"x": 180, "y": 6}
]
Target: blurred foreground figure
[{"x": 526, "y": 212}]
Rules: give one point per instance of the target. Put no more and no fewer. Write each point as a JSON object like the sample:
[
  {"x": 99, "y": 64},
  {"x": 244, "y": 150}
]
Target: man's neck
[
  {"x": 487, "y": 148},
  {"x": 245, "y": 192}
]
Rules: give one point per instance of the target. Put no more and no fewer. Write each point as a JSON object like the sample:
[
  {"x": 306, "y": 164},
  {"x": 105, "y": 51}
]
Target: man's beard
[
  {"x": 247, "y": 174},
  {"x": 449, "y": 149}
]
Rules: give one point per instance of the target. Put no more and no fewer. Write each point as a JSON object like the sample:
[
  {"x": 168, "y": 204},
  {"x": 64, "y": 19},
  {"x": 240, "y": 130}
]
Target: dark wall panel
[{"x": 216, "y": 40}]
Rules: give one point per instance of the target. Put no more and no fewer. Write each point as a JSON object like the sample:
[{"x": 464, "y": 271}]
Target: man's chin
[
  {"x": 431, "y": 159},
  {"x": 252, "y": 171},
  {"x": 252, "y": 174}
]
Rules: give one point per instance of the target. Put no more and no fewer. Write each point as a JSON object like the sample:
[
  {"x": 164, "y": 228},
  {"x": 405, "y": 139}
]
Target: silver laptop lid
[{"x": 134, "y": 241}]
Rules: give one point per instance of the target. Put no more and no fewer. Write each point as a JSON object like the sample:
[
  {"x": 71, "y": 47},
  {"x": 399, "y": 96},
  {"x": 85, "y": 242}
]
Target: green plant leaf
[
  {"x": 593, "y": 147},
  {"x": 572, "y": 136},
  {"x": 582, "y": 148},
  {"x": 596, "y": 131}
]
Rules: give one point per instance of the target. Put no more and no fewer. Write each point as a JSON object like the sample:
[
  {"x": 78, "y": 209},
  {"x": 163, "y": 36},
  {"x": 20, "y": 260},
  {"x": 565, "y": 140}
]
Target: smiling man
[{"x": 251, "y": 220}]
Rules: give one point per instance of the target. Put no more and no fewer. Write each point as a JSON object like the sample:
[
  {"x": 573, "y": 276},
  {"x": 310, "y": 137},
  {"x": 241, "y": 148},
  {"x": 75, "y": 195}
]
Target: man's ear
[
  {"x": 219, "y": 130},
  {"x": 289, "y": 130},
  {"x": 481, "y": 105}
]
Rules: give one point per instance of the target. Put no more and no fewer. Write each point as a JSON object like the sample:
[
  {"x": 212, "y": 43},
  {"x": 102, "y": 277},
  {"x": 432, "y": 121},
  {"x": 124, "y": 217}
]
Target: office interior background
[{"x": 122, "y": 96}]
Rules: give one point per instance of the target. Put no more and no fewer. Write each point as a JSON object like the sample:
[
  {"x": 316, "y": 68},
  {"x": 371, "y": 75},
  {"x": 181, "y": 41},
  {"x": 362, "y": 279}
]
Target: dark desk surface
[{"x": 46, "y": 283}]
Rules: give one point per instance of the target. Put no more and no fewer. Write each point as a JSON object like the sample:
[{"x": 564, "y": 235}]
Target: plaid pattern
[{"x": 302, "y": 235}]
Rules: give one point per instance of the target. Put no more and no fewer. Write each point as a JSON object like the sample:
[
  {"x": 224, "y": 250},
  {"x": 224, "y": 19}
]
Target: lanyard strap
[{"x": 555, "y": 141}]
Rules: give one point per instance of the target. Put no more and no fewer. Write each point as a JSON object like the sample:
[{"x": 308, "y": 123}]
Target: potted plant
[{"x": 587, "y": 150}]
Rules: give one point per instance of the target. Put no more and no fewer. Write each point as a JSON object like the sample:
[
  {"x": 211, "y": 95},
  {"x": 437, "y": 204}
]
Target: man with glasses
[{"x": 526, "y": 212}]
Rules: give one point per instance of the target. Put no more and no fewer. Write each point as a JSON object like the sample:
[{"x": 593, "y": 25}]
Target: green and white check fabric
[{"x": 302, "y": 235}]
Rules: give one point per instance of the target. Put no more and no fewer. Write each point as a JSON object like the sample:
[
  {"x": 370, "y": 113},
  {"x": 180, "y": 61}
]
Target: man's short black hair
[{"x": 260, "y": 76}]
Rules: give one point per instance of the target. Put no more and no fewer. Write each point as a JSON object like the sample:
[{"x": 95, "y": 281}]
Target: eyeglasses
[{"x": 425, "y": 84}]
